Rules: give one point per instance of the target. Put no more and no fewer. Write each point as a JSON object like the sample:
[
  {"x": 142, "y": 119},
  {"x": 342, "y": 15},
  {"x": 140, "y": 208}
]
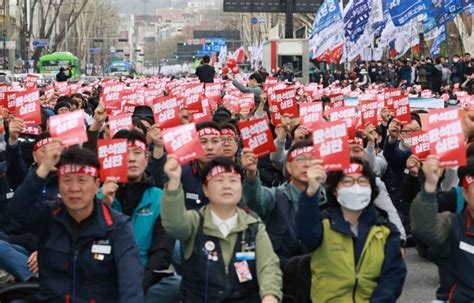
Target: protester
[
  {"x": 350, "y": 239},
  {"x": 82, "y": 242},
  {"x": 227, "y": 253},
  {"x": 141, "y": 201},
  {"x": 61, "y": 75},
  {"x": 253, "y": 86},
  {"x": 206, "y": 72},
  {"x": 448, "y": 236}
]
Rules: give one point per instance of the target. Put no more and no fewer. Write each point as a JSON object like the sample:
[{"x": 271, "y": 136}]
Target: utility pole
[
  {"x": 5, "y": 34},
  {"x": 289, "y": 19}
]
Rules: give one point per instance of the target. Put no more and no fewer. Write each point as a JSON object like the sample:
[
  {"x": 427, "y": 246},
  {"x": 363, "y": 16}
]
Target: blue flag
[
  {"x": 356, "y": 18},
  {"x": 444, "y": 10},
  {"x": 403, "y": 11},
  {"x": 328, "y": 14},
  {"x": 436, "y": 47}
]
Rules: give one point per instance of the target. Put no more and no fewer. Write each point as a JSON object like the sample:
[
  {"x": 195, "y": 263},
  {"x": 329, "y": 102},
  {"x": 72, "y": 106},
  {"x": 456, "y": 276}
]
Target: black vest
[
  {"x": 209, "y": 281},
  {"x": 282, "y": 230}
]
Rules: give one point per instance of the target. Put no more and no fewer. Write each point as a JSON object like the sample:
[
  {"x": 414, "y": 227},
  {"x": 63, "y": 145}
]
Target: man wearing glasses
[{"x": 230, "y": 141}]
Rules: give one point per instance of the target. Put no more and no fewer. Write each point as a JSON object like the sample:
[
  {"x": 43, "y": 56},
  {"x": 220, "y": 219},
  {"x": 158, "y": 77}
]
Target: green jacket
[{"x": 182, "y": 225}]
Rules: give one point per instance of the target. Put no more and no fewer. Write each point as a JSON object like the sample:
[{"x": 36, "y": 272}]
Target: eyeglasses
[
  {"x": 229, "y": 140},
  {"x": 348, "y": 181},
  {"x": 409, "y": 131},
  {"x": 302, "y": 159}
]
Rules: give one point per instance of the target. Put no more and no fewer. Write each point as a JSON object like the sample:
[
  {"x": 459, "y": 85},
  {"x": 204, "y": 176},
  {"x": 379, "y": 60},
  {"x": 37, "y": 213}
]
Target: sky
[{"x": 136, "y": 6}]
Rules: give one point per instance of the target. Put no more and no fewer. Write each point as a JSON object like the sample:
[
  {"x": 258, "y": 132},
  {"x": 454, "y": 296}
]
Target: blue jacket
[
  {"x": 143, "y": 219},
  {"x": 309, "y": 229},
  {"x": 94, "y": 261}
]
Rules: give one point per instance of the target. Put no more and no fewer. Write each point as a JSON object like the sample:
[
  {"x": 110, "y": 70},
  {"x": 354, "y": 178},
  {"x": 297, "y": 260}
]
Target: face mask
[
  {"x": 407, "y": 143},
  {"x": 455, "y": 60},
  {"x": 354, "y": 198}
]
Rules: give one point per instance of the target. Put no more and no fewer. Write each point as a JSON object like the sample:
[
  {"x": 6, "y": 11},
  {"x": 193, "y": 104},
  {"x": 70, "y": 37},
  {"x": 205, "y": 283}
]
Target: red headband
[
  {"x": 356, "y": 141},
  {"x": 354, "y": 168},
  {"x": 76, "y": 169},
  {"x": 300, "y": 151},
  {"x": 219, "y": 170},
  {"x": 137, "y": 143},
  {"x": 41, "y": 143},
  {"x": 208, "y": 131},
  {"x": 228, "y": 132},
  {"x": 468, "y": 180}
]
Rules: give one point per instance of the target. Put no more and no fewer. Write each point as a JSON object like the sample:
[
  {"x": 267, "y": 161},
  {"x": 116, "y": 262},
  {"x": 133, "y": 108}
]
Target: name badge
[
  {"x": 248, "y": 255},
  {"x": 466, "y": 247},
  {"x": 101, "y": 249},
  {"x": 243, "y": 271},
  {"x": 192, "y": 196}
]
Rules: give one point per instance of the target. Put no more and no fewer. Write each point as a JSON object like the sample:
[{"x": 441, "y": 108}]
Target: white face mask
[
  {"x": 455, "y": 60},
  {"x": 407, "y": 143},
  {"x": 354, "y": 198}
]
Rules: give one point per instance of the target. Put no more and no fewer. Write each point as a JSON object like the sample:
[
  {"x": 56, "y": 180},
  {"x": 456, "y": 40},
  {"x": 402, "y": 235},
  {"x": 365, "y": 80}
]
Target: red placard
[
  {"x": 339, "y": 113},
  {"x": 69, "y": 127},
  {"x": 164, "y": 103},
  {"x": 330, "y": 145},
  {"x": 31, "y": 81},
  {"x": 401, "y": 107},
  {"x": 310, "y": 113},
  {"x": 420, "y": 144},
  {"x": 10, "y": 101},
  {"x": 256, "y": 135},
  {"x": 368, "y": 110},
  {"x": 112, "y": 155},
  {"x": 443, "y": 115},
  {"x": 193, "y": 103},
  {"x": 183, "y": 142},
  {"x": 337, "y": 100},
  {"x": 389, "y": 94},
  {"x": 447, "y": 143},
  {"x": 28, "y": 106},
  {"x": 205, "y": 115},
  {"x": 116, "y": 123},
  {"x": 286, "y": 100},
  {"x": 62, "y": 88}
]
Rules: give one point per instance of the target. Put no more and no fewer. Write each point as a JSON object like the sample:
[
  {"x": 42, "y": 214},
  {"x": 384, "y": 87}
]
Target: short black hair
[
  {"x": 227, "y": 163},
  {"x": 206, "y": 124},
  {"x": 80, "y": 156},
  {"x": 257, "y": 76},
  {"x": 334, "y": 177},
  {"x": 206, "y": 59},
  {"x": 130, "y": 135}
]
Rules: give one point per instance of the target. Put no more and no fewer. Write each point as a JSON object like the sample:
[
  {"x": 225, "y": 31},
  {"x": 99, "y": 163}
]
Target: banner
[
  {"x": 112, "y": 155},
  {"x": 327, "y": 31},
  {"x": 257, "y": 136},
  {"x": 440, "y": 37},
  {"x": 183, "y": 142},
  {"x": 330, "y": 145},
  {"x": 444, "y": 11},
  {"x": 70, "y": 128},
  {"x": 403, "y": 11},
  {"x": 356, "y": 18}
]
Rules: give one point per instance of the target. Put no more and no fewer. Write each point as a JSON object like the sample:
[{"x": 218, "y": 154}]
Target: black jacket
[
  {"x": 96, "y": 260},
  {"x": 206, "y": 73}
]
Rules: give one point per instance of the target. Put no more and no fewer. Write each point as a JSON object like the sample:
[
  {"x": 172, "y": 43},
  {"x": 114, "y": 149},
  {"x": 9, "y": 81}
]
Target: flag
[
  {"x": 356, "y": 18},
  {"x": 436, "y": 47},
  {"x": 444, "y": 11},
  {"x": 239, "y": 55},
  {"x": 327, "y": 31},
  {"x": 223, "y": 54},
  {"x": 402, "y": 11}
]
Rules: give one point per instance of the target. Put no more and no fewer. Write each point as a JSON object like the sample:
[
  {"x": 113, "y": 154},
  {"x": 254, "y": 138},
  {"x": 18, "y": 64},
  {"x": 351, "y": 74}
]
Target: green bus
[{"x": 50, "y": 64}]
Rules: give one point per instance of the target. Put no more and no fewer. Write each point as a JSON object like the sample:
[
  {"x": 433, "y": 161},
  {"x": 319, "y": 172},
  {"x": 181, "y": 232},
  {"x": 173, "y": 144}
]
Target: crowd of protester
[{"x": 233, "y": 225}]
